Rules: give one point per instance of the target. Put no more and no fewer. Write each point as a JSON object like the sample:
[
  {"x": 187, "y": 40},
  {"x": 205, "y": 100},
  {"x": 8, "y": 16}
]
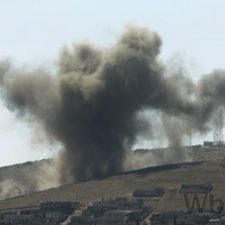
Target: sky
[{"x": 33, "y": 32}]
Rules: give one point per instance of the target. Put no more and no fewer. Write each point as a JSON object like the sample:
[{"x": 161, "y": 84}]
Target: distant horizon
[{"x": 134, "y": 149}]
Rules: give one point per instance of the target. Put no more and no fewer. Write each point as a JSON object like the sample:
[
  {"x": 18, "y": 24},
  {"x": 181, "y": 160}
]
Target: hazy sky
[{"x": 32, "y": 32}]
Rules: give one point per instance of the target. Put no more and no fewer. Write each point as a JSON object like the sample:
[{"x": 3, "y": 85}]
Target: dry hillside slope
[{"x": 168, "y": 176}]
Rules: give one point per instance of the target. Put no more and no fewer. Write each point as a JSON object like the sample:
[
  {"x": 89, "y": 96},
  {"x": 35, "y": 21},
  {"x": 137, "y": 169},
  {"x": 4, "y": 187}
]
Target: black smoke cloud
[{"x": 91, "y": 106}]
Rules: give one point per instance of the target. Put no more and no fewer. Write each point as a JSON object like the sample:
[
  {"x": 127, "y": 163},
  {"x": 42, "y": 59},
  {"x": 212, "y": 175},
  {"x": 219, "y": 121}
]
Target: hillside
[
  {"x": 26, "y": 178},
  {"x": 20, "y": 178},
  {"x": 168, "y": 176}
]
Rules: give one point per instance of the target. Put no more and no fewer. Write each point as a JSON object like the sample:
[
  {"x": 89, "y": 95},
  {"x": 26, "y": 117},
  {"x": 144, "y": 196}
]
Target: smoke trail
[{"x": 91, "y": 106}]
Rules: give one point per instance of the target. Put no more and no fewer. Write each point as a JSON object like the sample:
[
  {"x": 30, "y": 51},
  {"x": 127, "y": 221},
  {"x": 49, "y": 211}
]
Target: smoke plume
[{"x": 91, "y": 105}]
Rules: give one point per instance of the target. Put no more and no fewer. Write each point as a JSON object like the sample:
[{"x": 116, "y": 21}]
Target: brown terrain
[{"x": 208, "y": 165}]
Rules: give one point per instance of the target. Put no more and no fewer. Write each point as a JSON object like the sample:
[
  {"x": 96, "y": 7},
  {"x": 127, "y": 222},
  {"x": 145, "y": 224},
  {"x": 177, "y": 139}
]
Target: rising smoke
[{"x": 91, "y": 105}]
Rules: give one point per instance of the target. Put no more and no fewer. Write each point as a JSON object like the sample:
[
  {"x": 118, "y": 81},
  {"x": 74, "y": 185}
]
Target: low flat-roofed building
[
  {"x": 149, "y": 193},
  {"x": 196, "y": 188}
]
